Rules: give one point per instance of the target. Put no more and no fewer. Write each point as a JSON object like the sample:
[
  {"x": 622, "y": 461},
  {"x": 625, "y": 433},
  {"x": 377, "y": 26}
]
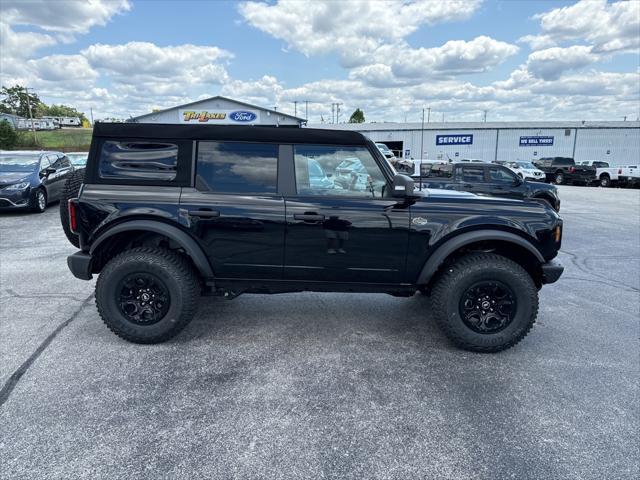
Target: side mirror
[
  {"x": 517, "y": 181},
  {"x": 402, "y": 186},
  {"x": 49, "y": 170}
]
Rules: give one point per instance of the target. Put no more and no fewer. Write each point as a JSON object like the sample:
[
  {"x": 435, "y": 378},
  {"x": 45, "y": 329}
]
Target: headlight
[{"x": 18, "y": 186}]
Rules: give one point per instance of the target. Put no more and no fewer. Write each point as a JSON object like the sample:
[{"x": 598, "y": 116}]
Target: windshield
[
  {"x": 525, "y": 165},
  {"x": 18, "y": 163}
]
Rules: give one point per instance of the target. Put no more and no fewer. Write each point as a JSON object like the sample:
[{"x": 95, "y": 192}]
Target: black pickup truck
[
  {"x": 485, "y": 179},
  {"x": 561, "y": 170},
  {"x": 169, "y": 212}
]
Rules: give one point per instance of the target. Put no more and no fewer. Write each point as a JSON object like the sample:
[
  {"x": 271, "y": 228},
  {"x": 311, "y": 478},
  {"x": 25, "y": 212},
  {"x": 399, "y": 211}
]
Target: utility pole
[
  {"x": 333, "y": 106},
  {"x": 295, "y": 108},
  {"x": 422, "y": 140},
  {"x": 306, "y": 110},
  {"x": 428, "y": 114},
  {"x": 485, "y": 116},
  {"x": 442, "y": 117},
  {"x": 338, "y": 112},
  {"x": 33, "y": 128},
  {"x": 91, "y": 111},
  {"x": 624, "y": 119}
]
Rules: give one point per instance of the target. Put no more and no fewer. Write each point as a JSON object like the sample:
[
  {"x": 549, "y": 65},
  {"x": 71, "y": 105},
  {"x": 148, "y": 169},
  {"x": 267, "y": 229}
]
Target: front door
[
  {"x": 346, "y": 229},
  {"x": 235, "y": 210},
  {"x": 504, "y": 183}
]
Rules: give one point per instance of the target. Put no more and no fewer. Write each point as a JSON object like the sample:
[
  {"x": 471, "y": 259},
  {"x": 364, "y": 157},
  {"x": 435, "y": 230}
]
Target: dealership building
[
  {"x": 220, "y": 111},
  {"x": 615, "y": 142}
]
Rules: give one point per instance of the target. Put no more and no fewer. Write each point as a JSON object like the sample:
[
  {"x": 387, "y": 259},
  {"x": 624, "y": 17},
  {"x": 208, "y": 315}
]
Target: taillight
[
  {"x": 619, "y": 171},
  {"x": 557, "y": 234},
  {"x": 73, "y": 215},
  {"x": 572, "y": 169}
]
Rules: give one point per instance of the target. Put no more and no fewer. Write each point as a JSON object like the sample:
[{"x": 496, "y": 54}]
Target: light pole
[
  {"x": 428, "y": 114},
  {"x": 33, "y": 128},
  {"x": 422, "y": 138}
]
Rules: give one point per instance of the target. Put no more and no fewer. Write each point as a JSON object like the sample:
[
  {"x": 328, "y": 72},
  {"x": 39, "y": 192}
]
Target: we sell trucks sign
[{"x": 219, "y": 117}]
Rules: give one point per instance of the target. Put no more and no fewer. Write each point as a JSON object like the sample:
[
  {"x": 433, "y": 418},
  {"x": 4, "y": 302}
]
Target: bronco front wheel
[{"x": 485, "y": 302}]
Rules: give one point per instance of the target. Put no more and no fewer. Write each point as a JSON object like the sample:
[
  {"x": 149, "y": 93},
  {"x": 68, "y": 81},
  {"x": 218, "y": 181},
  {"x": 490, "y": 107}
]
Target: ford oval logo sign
[{"x": 242, "y": 116}]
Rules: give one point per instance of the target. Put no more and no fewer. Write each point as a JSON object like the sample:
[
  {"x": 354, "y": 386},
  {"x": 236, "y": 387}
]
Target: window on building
[
  {"x": 343, "y": 171},
  {"x": 237, "y": 167}
]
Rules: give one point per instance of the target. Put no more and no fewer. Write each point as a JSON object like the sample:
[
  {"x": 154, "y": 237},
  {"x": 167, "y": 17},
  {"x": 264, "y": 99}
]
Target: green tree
[
  {"x": 14, "y": 100},
  {"x": 357, "y": 116},
  {"x": 8, "y": 135},
  {"x": 62, "y": 111}
]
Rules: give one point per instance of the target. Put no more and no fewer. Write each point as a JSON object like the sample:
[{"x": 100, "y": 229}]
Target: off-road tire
[
  {"x": 71, "y": 188},
  {"x": 459, "y": 276},
  {"x": 605, "y": 181},
  {"x": 172, "y": 269},
  {"x": 34, "y": 203}
]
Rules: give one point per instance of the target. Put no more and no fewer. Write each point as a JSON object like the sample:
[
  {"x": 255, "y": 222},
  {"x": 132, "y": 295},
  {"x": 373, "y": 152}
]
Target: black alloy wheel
[
  {"x": 488, "y": 307},
  {"x": 142, "y": 298}
]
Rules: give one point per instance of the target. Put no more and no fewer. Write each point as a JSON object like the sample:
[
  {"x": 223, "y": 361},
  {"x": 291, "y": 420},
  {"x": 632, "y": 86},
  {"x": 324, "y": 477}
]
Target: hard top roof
[{"x": 257, "y": 133}]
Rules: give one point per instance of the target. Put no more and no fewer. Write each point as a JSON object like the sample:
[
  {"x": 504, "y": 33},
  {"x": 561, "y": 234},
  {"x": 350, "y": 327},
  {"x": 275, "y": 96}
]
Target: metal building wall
[
  {"x": 509, "y": 144},
  {"x": 620, "y": 146}
]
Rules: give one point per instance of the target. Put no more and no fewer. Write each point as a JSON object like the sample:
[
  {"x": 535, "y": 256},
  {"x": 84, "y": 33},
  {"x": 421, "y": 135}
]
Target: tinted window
[
  {"x": 437, "y": 170},
  {"x": 235, "y": 167},
  {"x": 138, "y": 160},
  {"x": 345, "y": 171},
  {"x": 44, "y": 163},
  {"x": 60, "y": 162},
  {"x": 499, "y": 175},
  {"x": 473, "y": 174},
  {"x": 561, "y": 161}
]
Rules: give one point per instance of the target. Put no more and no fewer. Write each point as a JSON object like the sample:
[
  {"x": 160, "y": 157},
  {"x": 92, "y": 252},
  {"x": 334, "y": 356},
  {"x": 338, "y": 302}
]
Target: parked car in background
[
  {"x": 629, "y": 176},
  {"x": 78, "y": 159},
  {"x": 562, "y": 170},
  {"x": 32, "y": 180},
  {"x": 526, "y": 170},
  {"x": 594, "y": 163},
  {"x": 486, "y": 179},
  {"x": 388, "y": 154}
]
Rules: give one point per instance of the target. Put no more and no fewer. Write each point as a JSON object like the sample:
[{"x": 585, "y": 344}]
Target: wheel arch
[
  {"x": 507, "y": 244},
  {"x": 114, "y": 237}
]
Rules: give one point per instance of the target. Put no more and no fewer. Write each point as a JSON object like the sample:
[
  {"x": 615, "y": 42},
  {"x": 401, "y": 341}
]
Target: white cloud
[
  {"x": 142, "y": 62},
  {"x": 353, "y": 29},
  {"x": 609, "y": 27},
  {"x": 549, "y": 64},
  {"x": 455, "y": 57},
  {"x": 66, "y": 17},
  {"x": 20, "y": 45}
]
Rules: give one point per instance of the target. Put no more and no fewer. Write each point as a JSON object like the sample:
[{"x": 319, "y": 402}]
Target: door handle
[
  {"x": 308, "y": 217},
  {"x": 204, "y": 213}
]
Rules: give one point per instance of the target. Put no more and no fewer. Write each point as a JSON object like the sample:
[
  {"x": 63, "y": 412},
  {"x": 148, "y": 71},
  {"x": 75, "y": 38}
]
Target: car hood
[{"x": 7, "y": 178}]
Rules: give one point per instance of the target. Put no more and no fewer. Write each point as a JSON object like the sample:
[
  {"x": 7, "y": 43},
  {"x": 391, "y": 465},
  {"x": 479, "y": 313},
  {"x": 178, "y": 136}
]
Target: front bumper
[
  {"x": 14, "y": 198},
  {"x": 80, "y": 265},
  {"x": 551, "y": 271}
]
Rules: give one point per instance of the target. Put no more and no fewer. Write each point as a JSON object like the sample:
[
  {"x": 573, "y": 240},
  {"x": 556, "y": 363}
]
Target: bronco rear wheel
[
  {"x": 485, "y": 302},
  {"x": 147, "y": 294}
]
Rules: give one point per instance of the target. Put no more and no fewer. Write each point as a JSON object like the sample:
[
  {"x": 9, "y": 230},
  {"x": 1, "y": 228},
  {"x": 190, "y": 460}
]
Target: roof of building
[
  {"x": 247, "y": 133},
  {"x": 219, "y": 97},
  {"x": 384, "y": 126}
]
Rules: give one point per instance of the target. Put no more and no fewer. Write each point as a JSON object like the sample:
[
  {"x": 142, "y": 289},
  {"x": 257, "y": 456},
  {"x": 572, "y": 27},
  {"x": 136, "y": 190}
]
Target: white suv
[{"x": 526, "y": 170}]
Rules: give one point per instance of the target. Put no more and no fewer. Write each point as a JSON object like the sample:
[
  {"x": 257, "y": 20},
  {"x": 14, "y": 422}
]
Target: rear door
[
  {"x": 349, "y": 231},
  {"x": 235, "y": 209}
]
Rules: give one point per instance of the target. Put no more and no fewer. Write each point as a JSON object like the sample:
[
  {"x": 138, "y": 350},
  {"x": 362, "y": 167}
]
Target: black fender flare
[
  {"x": 183, "y": 239},
  {"x": 438, "y": 257}
]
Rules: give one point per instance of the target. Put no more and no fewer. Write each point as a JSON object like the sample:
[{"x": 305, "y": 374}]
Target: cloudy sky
[{"x": 519, "y": 60}]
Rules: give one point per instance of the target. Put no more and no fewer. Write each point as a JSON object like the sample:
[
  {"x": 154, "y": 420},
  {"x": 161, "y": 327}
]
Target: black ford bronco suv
[{"x": 166, "y": 213}]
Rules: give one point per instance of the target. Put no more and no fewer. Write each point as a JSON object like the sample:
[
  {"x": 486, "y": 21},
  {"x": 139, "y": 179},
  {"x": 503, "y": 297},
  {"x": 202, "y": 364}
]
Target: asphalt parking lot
[{"x": 324, "y": 385}]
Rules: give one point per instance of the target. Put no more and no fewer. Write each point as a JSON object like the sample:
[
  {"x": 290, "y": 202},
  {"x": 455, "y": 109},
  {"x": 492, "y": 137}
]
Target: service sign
[
  {"x": 219, "y": 117},
  {"x": 461, "y": 139},
  {"x": 536, "y": 141}
]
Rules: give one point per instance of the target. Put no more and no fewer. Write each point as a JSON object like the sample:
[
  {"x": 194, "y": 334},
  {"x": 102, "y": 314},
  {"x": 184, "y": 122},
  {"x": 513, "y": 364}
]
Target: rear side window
[
  {"x": 473, "y": 174},
  {"x": 237, "y": 167},
  {"x": 437, "y": 171},
  {"x": 563, "y": 161},
  {"x": 132, "y": 160}
]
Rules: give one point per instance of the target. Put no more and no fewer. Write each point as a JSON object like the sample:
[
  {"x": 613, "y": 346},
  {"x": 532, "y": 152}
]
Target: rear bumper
[
  {"x": 80, "y": 265},
  {"x": 551, "y": 271}
]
